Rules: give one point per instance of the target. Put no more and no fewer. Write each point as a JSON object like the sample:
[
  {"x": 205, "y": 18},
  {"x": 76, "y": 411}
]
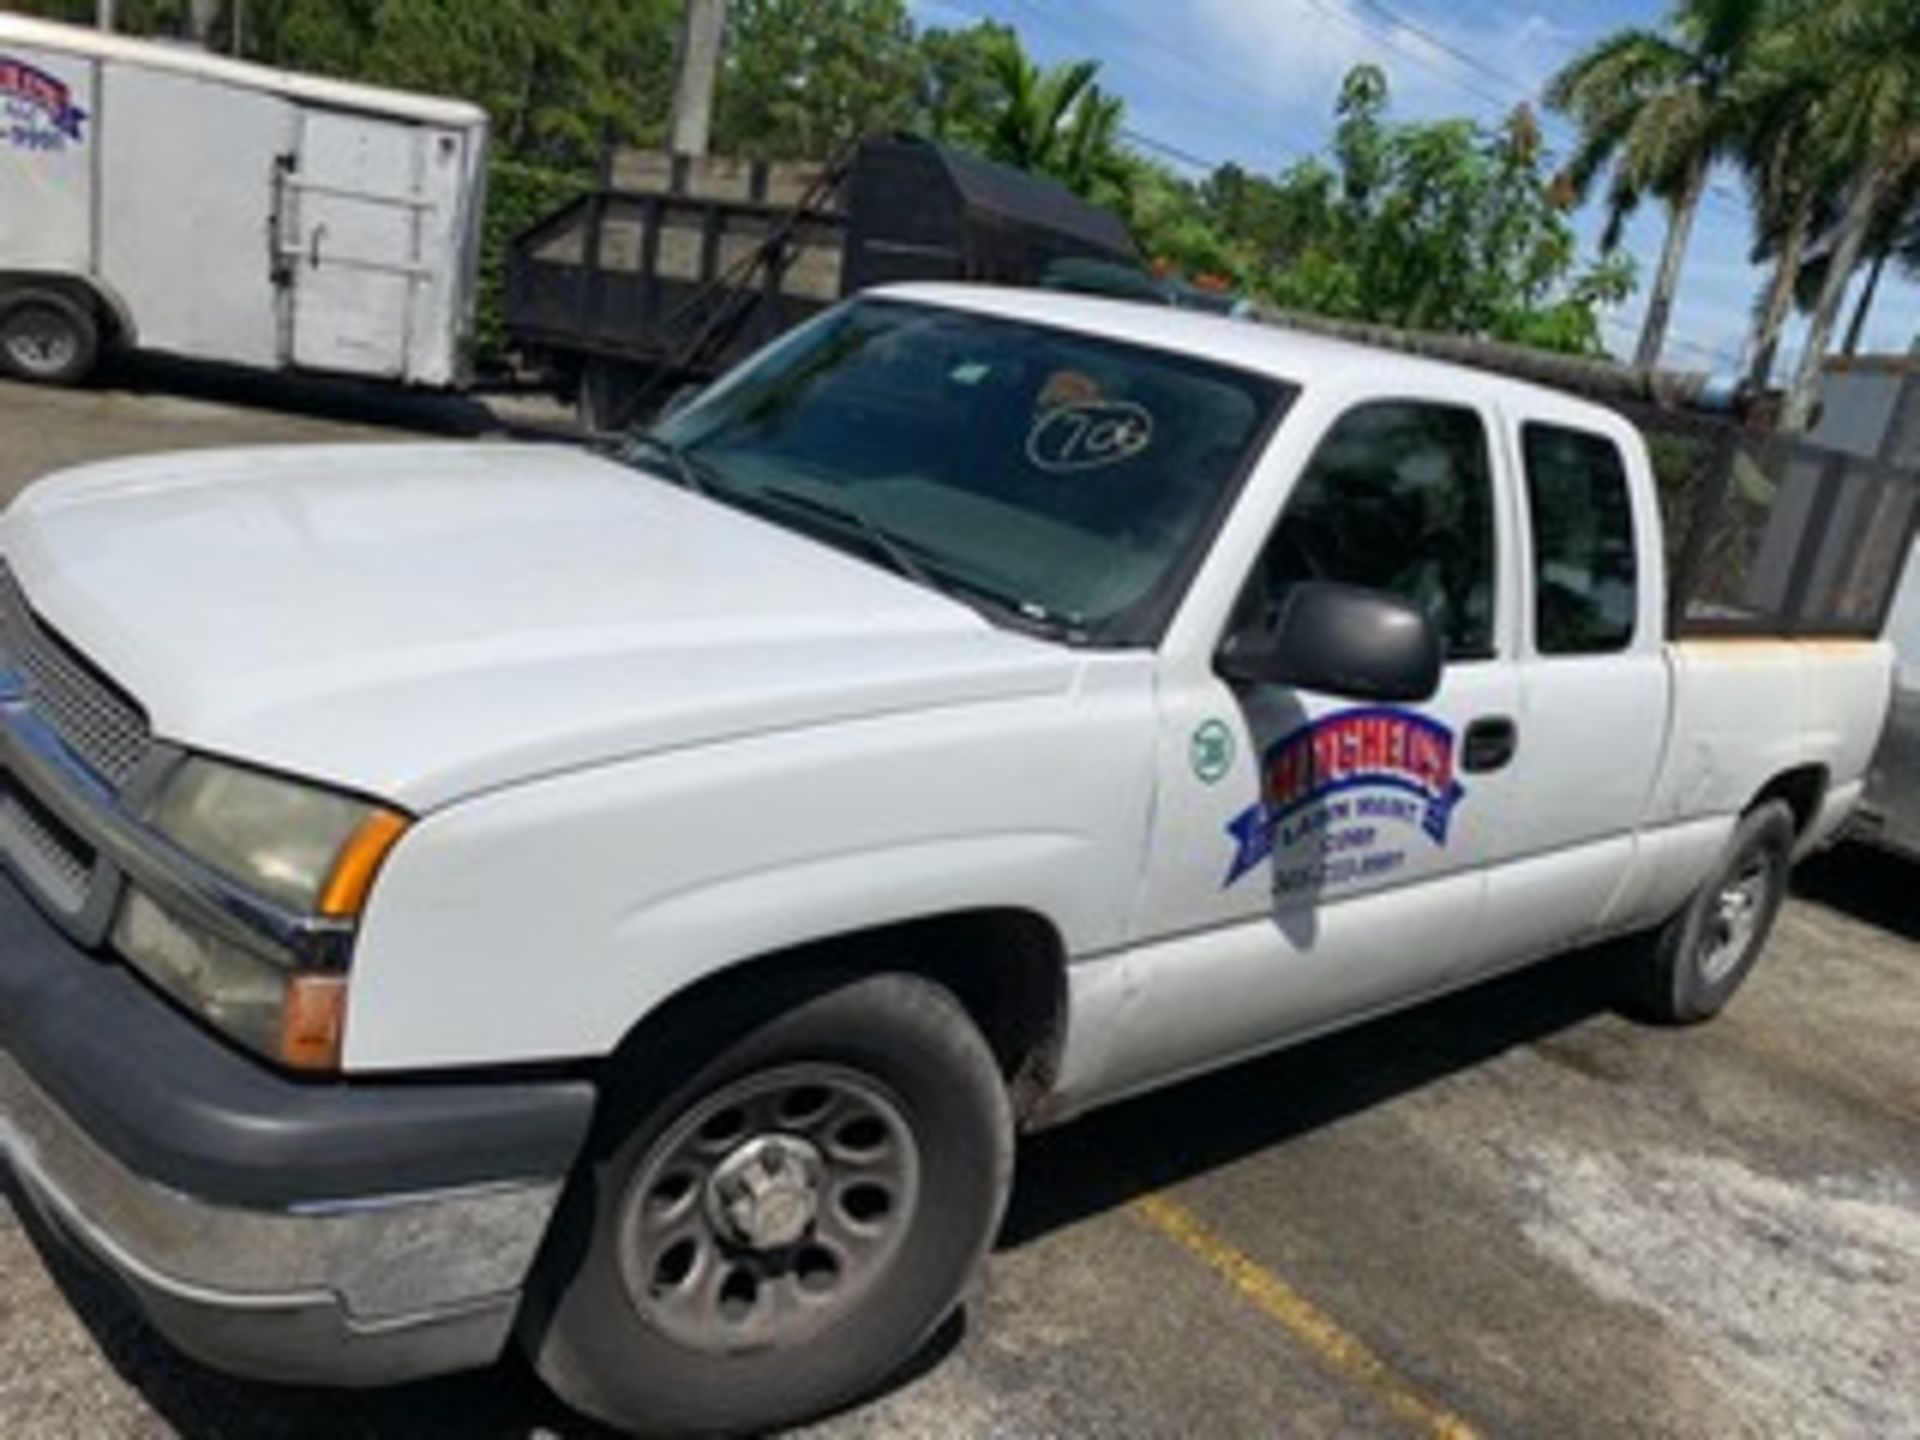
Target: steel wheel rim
[
  {"x": 770, "y": 1209},
  {"x": 43, "y": 344},
  {"x": 1734, "y": 921}
]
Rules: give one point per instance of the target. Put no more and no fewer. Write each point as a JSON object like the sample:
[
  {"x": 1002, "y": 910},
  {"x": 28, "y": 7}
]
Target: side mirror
[{"x": 1339, "y": 639}]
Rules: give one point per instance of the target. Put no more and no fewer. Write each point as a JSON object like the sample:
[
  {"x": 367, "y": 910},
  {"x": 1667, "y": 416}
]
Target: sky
[{"x": 1254, "y": 81}]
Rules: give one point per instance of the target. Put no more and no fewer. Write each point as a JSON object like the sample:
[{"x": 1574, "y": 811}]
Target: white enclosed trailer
[{"x": 156, "y": 197}]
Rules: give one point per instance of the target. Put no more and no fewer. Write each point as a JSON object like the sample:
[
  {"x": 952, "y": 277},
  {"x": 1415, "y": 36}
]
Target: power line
[
  {"x": 1399, "y": 20},
  {"x": 1210, "y": 97},
  {"x": 1170, "y": 151}
]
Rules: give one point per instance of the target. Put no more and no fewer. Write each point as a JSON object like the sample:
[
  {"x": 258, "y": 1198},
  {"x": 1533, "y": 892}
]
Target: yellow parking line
[{"x": 1339, "y": 1350}]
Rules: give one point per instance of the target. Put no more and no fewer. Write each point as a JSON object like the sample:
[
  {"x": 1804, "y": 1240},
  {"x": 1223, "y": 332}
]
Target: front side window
[
  {"x": 1585, "y": 575},
  {"x": 1064, "y": 480},
  {"x": 1398, "y": 497}
]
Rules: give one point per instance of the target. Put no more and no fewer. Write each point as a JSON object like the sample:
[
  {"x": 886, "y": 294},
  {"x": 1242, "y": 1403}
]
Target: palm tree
[
  {"x": 1792, "y": 186},
  {"x": 1895, "y": 236},
  {"x": 1058, "y": 121},
  {"x": 1657, "y": 109},
  {"x": 1867, "y": 53},
  {"x": 1035, "y": 104}
]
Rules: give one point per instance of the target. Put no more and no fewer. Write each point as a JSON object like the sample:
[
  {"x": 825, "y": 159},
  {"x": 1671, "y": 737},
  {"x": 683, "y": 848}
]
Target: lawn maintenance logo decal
[
  {"x": 36, "y": 109},
  {"x": 1336, "y": 792}
]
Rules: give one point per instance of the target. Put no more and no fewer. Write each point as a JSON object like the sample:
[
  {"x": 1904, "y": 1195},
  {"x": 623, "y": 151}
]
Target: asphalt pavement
[{"x": 1513, "y": 1212}]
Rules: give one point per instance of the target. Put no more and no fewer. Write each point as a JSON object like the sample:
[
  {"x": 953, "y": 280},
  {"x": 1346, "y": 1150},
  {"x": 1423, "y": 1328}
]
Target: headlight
[
  {"x": 306, "y": 852},
  {"x": 309, "y": 850},
  {"x": 296, "y": 1019}
]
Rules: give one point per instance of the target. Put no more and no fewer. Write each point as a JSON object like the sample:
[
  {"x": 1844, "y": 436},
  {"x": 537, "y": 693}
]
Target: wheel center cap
[{"x": 766, "y": 1193}]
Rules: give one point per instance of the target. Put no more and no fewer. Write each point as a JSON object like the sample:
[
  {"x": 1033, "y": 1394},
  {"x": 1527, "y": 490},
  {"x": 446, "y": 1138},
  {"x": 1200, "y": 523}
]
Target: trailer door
[{"x": 368, "y": 216}]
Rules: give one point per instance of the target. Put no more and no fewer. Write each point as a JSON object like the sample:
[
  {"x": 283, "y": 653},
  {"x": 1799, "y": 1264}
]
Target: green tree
[
  {"x": 136, "y": 17},
  {"x": 559, "y": 77},
  {"x": 1866, "y": 55},
  {"x": 1657, "y": 109},
  {"x": 958, "y": 90},
  {"x": 811, "y": 78},
  {"x": 1790, "y": 183},
  {"x": 1442, "y": 225},
  {"x": 1057, "y": 121},
  {"x": 1894, "y": 238}
]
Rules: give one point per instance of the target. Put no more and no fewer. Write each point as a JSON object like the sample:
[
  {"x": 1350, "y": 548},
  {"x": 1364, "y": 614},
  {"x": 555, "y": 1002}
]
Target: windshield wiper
[
  {"x": 850, "y": 515},
  {"x": 901, "y": 557}
]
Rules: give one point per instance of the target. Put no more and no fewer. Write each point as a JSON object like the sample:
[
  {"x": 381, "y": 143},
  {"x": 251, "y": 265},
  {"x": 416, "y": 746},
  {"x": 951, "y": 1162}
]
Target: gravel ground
[{"x": 1510, "y": 1213}]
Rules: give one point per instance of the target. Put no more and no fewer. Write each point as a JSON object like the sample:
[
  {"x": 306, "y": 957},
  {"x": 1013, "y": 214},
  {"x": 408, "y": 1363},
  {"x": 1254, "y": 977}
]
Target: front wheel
[
  {"x": 778, "y": 1233},
  {"x": 1703, "y": 954}
]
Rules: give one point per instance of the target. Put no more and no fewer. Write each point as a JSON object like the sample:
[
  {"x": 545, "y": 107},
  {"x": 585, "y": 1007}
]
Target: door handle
[{"x": 1489, "y": 745}]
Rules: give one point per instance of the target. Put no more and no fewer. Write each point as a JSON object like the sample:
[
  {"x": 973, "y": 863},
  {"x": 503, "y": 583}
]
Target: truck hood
[{"x": 423, "y": 622}]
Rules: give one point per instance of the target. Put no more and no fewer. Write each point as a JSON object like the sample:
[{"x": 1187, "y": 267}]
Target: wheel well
[
  {"x": 1803, "y": 790},
  {"x": 1007, "y": 968},
  {"x": 115, "y": 326}
]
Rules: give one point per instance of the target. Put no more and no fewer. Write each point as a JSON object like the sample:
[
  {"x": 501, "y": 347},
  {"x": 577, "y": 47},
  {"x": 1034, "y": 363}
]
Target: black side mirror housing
[{"x": 1343, "y": 640}]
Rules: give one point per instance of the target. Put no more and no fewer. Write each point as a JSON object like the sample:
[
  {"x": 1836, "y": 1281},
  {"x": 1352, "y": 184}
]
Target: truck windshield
[{"x": 1059, "y": 481}]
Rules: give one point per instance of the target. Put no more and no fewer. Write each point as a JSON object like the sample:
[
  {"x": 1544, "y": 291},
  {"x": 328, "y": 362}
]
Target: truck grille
[
  {"x": 103, "y": 729},
  {"x": 58, "y": 863}
]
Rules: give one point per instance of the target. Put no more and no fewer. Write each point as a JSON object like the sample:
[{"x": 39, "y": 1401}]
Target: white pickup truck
[{"x": 634, "y": 902}]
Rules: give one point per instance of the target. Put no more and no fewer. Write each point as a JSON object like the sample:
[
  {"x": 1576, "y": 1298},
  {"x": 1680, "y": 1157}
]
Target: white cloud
[{"x": 1293, "y": 53}]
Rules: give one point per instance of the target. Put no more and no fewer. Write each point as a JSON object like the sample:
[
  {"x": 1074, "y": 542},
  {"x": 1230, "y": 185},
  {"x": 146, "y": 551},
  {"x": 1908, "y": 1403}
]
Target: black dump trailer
[{"x": 677, "y": 267}]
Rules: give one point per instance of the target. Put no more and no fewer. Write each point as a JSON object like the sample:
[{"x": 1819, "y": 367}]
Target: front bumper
[{"x": 343, "y": 1233}]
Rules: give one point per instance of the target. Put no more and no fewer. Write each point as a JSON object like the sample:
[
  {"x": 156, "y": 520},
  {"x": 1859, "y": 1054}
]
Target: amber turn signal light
[{"x": 358, "y": 862}]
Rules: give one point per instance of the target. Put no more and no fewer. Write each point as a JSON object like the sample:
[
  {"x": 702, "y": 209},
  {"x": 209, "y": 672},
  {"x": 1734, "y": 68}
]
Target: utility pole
[
  {"x": 103, "y": 14},
  {"x": 690, "y": 128}
]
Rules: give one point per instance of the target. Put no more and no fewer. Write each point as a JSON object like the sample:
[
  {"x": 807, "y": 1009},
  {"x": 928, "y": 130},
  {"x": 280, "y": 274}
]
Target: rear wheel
[
  {"x": 779, "y": 1232},
  {"x": 1704, "y": 954},
  {"x": 47, "y": 337}
]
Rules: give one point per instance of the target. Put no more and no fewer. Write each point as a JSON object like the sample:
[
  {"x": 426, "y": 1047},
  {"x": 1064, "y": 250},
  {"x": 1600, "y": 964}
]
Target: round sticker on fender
[{"x": 1090, "y": 436}]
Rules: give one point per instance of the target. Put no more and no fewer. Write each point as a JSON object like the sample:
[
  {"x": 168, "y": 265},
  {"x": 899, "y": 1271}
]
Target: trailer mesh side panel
[{"x": 1770, "y": 535}]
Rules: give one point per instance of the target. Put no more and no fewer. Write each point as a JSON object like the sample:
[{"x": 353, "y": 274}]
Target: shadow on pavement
[
  {"x": 323, "y": 397},
  {"x": 1119, "y": 1154},
  {"x": 1868, "y": 884},
  {"x": 1065, "y": 1176}
]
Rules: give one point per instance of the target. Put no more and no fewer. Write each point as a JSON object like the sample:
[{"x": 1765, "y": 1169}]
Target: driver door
[{"x": 1315, "y": 858}]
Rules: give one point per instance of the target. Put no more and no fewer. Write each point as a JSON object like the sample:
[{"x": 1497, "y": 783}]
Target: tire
[
  {"x": 880, "y": 1100},
  {"x": 48, "y": 337},
  {"x": 1700, "y": 957}
]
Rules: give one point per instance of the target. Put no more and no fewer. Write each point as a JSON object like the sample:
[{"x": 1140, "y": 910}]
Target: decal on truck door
[
  {"x": 37, "y": 111},
  {"x": 1343, "y": 795}
]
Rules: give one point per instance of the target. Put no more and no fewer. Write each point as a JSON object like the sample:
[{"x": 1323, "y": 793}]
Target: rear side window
[{"x": 1586, "y": 580}]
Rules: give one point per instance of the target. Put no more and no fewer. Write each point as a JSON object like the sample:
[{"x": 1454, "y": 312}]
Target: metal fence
[{"x": 1769, "y": 535}]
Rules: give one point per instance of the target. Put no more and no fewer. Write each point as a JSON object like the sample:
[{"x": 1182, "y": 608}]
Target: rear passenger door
[{"x": 1594, "y": 680}]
